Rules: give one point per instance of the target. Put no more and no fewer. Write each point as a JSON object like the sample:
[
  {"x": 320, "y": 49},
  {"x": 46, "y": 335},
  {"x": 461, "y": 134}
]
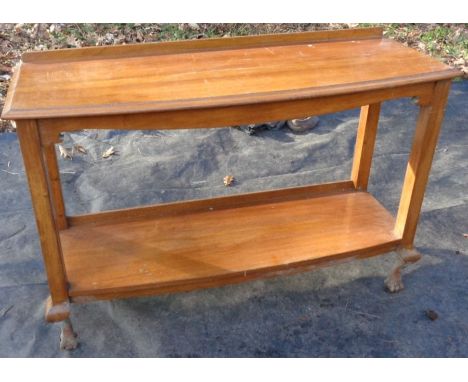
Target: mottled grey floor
[{"x": 340, "y": 311}]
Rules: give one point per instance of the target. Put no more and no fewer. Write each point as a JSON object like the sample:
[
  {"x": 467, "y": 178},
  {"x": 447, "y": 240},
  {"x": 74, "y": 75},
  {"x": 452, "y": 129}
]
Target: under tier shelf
[{"x": 202, "y": 249}]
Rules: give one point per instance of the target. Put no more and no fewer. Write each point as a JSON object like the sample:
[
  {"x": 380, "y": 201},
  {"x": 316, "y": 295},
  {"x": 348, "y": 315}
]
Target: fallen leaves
[
  {"x": 80, "y": 149},
  {"x": 68, "y": 153},
  {"x": 65, "y": 153},
  {"x": 228, "y": 180},
  {"x": 109, "y": 152},
  {"x": 5, "y": 69}
]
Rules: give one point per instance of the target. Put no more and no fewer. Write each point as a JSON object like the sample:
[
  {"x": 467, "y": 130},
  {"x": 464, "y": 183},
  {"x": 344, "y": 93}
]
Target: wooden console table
[{"x": 210, "y": 83}]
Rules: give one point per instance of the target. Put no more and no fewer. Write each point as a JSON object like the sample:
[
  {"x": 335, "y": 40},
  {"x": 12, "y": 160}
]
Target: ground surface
[{"x": 341, "y": 311}]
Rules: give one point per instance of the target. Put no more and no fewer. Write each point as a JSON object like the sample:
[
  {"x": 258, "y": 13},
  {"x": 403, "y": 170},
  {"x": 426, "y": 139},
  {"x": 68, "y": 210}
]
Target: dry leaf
[
  {"x": 5, "y": 69},
  {"x": 432, "y": 315},
  {"x": 64, "y": 152},
  {"x": 110, "y": 151},
  {"x": 80, "y": 149},
  {"x": 228, "y": 180}
]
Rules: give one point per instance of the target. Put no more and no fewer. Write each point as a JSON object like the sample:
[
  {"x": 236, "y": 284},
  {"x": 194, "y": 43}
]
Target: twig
[
  {"x": 5, "y": 311},
  {"x": 364, "y": 313},
  {"x": 15, "y": 233},
  {"x": 10, "y": 172}
]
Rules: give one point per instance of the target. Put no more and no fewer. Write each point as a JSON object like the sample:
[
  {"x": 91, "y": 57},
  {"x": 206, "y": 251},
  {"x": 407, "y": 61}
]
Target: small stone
[
  {"x": 432, "y": 315},
  {"x": 304, "y": 124}
]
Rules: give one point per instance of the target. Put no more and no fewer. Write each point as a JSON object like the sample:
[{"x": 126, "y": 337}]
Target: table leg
[
  {"x": 68, "y": 336},
  {"x": 393, "y": 282},
  {"x": 417, "y": 174},
  {"x": 364, "y": 149},
  {"x": 419, "y": 163},
  {"x": 50, "y": 159},
  {"x": 28, "y": 135}
]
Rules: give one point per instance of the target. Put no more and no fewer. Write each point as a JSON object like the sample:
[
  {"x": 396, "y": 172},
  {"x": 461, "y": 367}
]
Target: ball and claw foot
[
  {"x": 393, "y": 282},
  {"x": 68, "y": 339}
]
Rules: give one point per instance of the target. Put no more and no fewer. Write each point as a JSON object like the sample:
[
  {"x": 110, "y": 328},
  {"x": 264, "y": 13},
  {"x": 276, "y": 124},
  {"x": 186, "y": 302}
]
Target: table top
[{"x": 211, "y": 73}]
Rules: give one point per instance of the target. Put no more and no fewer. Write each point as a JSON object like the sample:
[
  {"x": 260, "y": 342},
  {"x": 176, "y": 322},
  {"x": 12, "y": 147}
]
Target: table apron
[{"x": 210, "y": 117}]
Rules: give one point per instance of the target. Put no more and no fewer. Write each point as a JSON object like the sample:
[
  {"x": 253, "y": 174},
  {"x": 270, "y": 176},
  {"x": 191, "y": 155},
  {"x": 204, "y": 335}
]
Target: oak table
[{"x": 210, "y": 83}]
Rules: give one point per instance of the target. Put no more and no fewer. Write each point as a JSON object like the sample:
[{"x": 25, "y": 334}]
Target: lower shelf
[{"x": 203, "y": 249}]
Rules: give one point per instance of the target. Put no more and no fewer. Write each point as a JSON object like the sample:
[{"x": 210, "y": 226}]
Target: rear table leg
[{"x": 393, "y": 282}]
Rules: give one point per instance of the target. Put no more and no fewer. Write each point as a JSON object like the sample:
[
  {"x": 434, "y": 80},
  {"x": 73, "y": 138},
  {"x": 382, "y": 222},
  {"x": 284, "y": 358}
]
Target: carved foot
[
  {"x": 393, "y": 282},
  {"x": 68, "y": 339}
]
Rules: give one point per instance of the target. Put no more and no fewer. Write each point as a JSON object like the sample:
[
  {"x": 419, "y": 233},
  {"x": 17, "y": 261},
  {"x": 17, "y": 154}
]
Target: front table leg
[
  {"x": 417, "y": 173},
  {"x": 57, "y": 307},
  {"x": 419, "y": 163}
]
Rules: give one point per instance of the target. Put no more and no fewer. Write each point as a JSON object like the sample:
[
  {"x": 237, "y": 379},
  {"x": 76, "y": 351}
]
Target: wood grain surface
[
  {"x": 188, "y": 207},
  {"x": 35, "y": 166},
  {"x": 215, "y": 246},
  {"x": 214, "y": 78}
]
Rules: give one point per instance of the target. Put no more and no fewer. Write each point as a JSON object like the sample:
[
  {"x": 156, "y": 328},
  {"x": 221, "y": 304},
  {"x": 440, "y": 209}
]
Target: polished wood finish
[
  {"x": 56, "y": 312},
  {"x": 215, "y": 83},
  {"x": 217, "y": 245},
  {"x": 203, "y": 45},
  {"x": 204, "y": 205},
  {"x": 419, "y": 163},
  {"x": 36, "y": 172},
  {"x": 55, "y": 186},
  {"x": 364, "y": 148},
  {"x": 207, "y": 79},
  {"x": 232, "y": 115}
]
